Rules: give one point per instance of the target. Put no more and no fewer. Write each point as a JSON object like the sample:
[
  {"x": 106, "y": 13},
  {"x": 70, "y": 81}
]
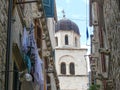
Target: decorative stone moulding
[
  {"x": 43, "y": 36},
  {"x": 48, "y": 43},
  {"x": 46, "y": 32},
  {"x": 49, "y": 48},
  {"x": 44, "y": 27},
  {"x": 43, "y": 20},
  {"x": 47, "y": 53},
  {"x": 94, "y": 55},
  {"x": 50, "y": 69}
]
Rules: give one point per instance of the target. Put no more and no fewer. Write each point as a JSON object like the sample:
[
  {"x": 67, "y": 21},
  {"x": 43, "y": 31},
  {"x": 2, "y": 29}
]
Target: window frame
[
  {"x": 66, "y": 40},
  {"x": 56, "y": 40},
  {"x": 72, "y": 68},
  {"x": 75, "y": 41},
  {"x": 63, "y": 68}
]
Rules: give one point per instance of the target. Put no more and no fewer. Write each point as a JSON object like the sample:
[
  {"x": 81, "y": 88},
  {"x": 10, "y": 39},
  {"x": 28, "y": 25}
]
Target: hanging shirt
[
  {"x": 38, "y": 74},
  {"x": 24, "y": 40},
  {"x": 28, "y": 62},
  {"x": 26, "y": 58}
]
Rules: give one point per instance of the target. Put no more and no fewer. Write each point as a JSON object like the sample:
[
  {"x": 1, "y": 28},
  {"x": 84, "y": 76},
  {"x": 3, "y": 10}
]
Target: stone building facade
[
  {"x": 70, "y": 60},
  {"x": 25, "y": 12},
  {"x": 105, "y": 63},
  {"x": 3, "y": 37}
]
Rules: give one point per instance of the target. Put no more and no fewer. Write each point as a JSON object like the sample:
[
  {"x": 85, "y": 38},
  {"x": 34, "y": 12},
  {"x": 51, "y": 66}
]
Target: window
[
  {"x": 66, "y": 39},
  {"x": 72, "y": 68},
  {"x": 63, "y": 68},
  {"x": 56, "y": 39},
  {"x": 75, "y": 42}
]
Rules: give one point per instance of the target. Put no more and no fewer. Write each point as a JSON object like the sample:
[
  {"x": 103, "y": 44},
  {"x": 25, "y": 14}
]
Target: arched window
[
  {"x": 75, "y": 42},
  {"x": 63, "y": 68},
  {"x": 72, "y": 68},
  {"x": 56, "y": 40},
  {"x": 66, "y": 39}
]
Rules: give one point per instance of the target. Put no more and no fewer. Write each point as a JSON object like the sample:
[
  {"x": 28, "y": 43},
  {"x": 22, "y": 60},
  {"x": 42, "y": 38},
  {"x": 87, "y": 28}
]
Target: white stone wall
[
  {"x": 79, "y": 81},
  {"x": 52, "y": 82},
  {"x": 51, "y": 27},
  {"x": 73, "y": 83},
  {"x": 71, "y": 38},
  {"x": 67, "y": 56}
]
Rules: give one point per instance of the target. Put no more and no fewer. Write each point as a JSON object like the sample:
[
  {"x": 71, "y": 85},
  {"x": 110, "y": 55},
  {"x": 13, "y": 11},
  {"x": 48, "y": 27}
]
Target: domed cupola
[{"x": 66, "y": 25}]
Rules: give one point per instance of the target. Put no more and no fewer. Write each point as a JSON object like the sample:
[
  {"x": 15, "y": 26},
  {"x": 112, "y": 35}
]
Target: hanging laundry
[
  {"x": 37, "y": 62},
  {"x": 31, "y": 41},
  {"x": 31, "y": 48},
  {"x": 26, "y": 58},
  {"x": 38, "y": 74},
  {"x": 24, "y": 40},
  {"x": 28, "y": 62}
]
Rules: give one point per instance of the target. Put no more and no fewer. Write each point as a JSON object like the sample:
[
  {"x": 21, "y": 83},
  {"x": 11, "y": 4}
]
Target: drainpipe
[{"x": 8, "y": 45}]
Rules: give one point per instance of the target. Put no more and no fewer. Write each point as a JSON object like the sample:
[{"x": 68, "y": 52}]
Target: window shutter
[
  {"x": 49, "y": 8},
  {"x": 18, "y": 58}
]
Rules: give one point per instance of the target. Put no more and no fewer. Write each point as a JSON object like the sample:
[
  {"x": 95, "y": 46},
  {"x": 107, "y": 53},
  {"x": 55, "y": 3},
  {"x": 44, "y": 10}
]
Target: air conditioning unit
[
  {"x": 93, "y": 68},
  {"x": 94, "y": 41},
  {"x": 98, "y": 76},
  {"x": 93, "y": 62},
  {"x": 101, "y": 76},
  {"x": 105, "y": 51}
]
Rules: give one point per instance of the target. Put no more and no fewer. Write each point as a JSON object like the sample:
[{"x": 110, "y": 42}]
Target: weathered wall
[
  {"x": 111, "y": 35},
  {"x": 3, "y": 37},
  {"x": 112, "y": 25},
  {"x": 71, "y": 39}
]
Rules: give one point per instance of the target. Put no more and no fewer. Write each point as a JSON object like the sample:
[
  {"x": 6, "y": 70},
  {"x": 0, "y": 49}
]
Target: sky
[{"x": 78, "y": 12}]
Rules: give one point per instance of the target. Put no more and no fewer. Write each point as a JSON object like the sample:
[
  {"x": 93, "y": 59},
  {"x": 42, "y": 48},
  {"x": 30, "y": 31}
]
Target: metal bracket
[
  {"x": 25, "y": 2},
  {"x": 9, "y": 71}
]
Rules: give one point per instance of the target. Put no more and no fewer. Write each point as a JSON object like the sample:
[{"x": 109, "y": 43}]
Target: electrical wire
[{"x": 75, "y": 19}]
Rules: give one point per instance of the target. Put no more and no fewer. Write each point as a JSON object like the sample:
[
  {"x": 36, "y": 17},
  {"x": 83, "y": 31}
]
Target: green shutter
[{"x": 49, "y": 8}]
